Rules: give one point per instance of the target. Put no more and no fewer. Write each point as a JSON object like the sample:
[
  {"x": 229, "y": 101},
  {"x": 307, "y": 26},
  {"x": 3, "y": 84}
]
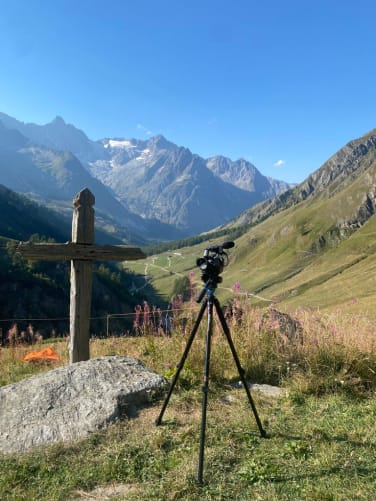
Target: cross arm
[{"x": 71, "y": 251}]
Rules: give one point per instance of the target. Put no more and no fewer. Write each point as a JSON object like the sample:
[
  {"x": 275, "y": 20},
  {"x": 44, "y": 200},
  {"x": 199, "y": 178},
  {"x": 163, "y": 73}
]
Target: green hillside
[
  {"x": 21, "y": 218},
  {"x": 315, "y": 246}
]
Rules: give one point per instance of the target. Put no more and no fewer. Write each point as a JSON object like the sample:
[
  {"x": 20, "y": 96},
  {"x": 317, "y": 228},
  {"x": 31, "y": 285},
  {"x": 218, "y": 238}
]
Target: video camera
[{"x": 213, "y": 262}]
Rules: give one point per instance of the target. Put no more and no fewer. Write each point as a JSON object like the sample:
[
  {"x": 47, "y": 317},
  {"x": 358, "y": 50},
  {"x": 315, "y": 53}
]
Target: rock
[
  {"x": 70, "y": 402},
  {"x": 269, "y": 390},
  {"x": 276, "y": 321},
  {"x": 266, "y": 389}
]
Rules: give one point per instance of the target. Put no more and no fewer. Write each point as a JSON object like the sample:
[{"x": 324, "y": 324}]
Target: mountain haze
[
  {"x": 54, "y": 177},
  {"x": 153, "y": 187},
  {"x": 56, "y": 135}
]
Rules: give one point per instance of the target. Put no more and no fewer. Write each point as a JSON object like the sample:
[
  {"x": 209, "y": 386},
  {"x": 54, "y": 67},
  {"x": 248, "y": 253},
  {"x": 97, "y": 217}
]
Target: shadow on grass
[
  {"x": 356, "y": 466},
  {"x": 334, "y": 470}
]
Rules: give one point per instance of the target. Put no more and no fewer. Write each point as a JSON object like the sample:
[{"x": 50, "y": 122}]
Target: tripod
[{"x": 209, "y": 302}]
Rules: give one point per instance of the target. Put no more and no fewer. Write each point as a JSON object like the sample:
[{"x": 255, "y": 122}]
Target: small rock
[
  {"x": 268, "y": 390},
  {"x": 265, "y": 389},
  {"x": 227, "y": 399}
]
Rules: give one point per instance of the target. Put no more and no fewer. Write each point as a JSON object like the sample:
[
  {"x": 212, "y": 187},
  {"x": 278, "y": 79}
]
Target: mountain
[
  {"x": 347, "y": 165},
  {"x": 56, "y": 135},
  {"x": 54, "y": 177},
  {"x": 241, "y": 173},
  {"x": 172, "y": 191},
  {"x": 313, "y": 246},
  {"x": 158, "y": 179}
]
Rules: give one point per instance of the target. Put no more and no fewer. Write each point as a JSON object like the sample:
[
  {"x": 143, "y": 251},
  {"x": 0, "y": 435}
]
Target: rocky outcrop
[
  {"x": 334, "y": 175},
  {"x": 344, "y": 229},
  {"x": 71, "y": 402},
  {"x": 340, "y": 169}
]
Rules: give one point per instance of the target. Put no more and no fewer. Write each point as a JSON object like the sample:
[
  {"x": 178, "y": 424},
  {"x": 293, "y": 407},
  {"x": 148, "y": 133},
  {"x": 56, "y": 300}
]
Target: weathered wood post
[
  {"x": 81, "y": 252},
  {"x": 81, "y": 278}
]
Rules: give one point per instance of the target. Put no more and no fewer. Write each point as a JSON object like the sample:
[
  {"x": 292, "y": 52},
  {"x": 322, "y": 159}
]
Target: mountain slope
[
  {"x": 302, "y": 253},
  {"x": 25, "y": 167},
  {"x": 339, "y": 171},
  {"x": 314, "y": 248},
  {"x": 21, "y": 218}
]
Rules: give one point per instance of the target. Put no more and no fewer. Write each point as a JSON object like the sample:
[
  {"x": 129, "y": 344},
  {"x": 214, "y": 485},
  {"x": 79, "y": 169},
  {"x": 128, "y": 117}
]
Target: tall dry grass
[
  {"x": 323, "y": 352},
  {"x": 317, "y": 351}
]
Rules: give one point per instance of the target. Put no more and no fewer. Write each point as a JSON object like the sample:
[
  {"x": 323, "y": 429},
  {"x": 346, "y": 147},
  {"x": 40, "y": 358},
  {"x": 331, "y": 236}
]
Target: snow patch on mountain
[{"x": 119, "y": 143}]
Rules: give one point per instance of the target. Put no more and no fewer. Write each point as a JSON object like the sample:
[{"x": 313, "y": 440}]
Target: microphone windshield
[{"x": 227, "y": 245}]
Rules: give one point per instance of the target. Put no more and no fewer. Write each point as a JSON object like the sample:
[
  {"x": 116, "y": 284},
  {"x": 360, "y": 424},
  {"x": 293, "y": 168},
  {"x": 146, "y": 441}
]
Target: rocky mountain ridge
[
  {"x": 54, "y": 178},
  {"x": 339, "y": 171},
  {"x": 157, "y": 188},
  {"x": 158, "y": 179}
]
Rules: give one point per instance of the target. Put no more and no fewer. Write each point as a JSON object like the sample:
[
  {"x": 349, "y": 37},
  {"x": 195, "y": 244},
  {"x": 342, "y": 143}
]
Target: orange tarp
[{"x": 46, "y": 354}]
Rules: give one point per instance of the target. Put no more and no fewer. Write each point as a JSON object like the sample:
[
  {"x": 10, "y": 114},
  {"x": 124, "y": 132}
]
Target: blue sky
[{"x": 282, "y": 83}]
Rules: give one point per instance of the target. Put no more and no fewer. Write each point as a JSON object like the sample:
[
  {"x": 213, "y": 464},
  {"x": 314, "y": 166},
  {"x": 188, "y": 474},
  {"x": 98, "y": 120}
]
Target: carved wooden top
[
  {"x": 83, "y": 217},
  {"x": 84, "y": 198}
]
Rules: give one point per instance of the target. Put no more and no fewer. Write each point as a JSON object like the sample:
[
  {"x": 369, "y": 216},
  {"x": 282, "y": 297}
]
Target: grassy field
[{"x": 321, "y": 442}]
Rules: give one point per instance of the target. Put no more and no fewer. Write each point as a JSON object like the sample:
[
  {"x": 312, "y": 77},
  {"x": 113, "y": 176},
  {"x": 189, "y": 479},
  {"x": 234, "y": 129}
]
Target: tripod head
[{"x": 211, "y": 265}]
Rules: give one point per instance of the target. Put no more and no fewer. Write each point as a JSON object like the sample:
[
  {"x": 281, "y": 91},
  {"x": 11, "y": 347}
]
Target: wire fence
[{"x": 144, "y": 320}]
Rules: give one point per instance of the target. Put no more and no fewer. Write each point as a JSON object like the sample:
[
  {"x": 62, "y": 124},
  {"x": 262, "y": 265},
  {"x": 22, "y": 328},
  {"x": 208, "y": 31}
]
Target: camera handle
[{"x": 210, "y": 302}]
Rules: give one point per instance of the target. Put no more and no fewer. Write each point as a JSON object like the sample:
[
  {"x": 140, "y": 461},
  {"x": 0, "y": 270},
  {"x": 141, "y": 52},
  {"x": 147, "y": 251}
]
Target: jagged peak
[
  {"x": 238, "y": 161},
  {"x": 161, "y": 142},
  {"x": 58, "y": 120}
]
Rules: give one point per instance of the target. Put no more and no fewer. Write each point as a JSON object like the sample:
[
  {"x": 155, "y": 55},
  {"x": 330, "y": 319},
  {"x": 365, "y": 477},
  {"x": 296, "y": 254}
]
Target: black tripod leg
[
  {"x": 180, "y": 365},
  {"x": 226, "y": 330},
  {"x": 205, "y": 390}
]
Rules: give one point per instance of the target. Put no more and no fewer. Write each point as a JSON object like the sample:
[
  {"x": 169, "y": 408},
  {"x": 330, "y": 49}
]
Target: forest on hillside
[{"x": 36, "y": 293}]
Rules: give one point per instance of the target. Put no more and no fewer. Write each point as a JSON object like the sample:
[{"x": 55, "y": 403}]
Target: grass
[
  {"x": 321, "y": 441},
  {"x": 318, "y": 448}
]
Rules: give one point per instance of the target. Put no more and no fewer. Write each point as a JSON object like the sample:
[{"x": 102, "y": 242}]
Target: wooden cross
[{"x": 81, "y": 252}]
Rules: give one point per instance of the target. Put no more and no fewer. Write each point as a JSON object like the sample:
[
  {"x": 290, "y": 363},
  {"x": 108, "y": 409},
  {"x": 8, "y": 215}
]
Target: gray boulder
[{"x": 70, "y": 402}]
